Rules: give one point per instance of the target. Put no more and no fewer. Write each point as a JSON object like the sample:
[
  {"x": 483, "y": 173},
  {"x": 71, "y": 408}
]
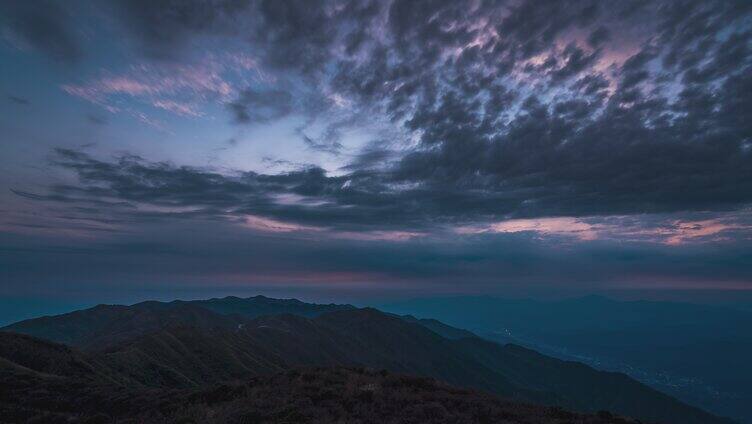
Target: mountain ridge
[
  {"x": 696, "y": 353},
  {"x": 183, "y": 345},
  {"x": 317, "y": 395}
]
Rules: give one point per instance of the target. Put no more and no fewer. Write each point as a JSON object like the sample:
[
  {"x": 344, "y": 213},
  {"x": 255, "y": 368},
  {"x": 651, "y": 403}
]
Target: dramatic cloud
[
  {"x": 407, "y": 123},
  {"x": 514, "y": 110},
  {"x": 178, "y": 88},
  {"x": 41, "y": 25},
  {"x": 308, "y": 200},
  {"x": 163, "y": 27},
  {"x": 254, "y": 106}
]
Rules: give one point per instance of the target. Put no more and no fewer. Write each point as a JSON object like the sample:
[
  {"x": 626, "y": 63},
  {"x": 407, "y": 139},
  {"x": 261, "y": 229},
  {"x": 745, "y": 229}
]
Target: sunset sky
[{"x": 157, "y": 148}]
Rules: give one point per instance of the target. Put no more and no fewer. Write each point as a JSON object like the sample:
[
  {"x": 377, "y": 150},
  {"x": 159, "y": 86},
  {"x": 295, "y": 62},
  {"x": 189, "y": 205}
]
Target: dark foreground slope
[
  {"x": 331, "y": 395},
  {"x": 190, "y": 347},
  {"x": 60, "y": 385}
]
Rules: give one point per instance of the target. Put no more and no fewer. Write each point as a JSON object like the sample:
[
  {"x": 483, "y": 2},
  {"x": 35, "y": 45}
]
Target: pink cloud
[
  {"x": 561, "y": 226},
  {"x": 269, "y": 225},
  {"x": 683, "y": 232},
  {"x": 127, "y": 85},
  {"x": 379, "y": 235},
  {"x": 179, "y": 89},
  {"x": 259, "y": 223},
  {"x": 177, "y": 107},
  {"x": 623, "y": 228}
]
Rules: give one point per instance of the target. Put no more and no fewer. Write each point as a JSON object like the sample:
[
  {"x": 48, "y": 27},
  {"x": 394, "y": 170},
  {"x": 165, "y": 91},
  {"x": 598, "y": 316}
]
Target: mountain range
[
  {"x": 156, "y": 349},
  {"x": 51, "y": 383},
  {"x": 697, "y": 353}
]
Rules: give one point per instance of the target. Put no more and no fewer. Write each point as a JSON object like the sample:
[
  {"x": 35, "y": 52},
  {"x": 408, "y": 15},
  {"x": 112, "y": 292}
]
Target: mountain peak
[{"x": 202, "y": 342}]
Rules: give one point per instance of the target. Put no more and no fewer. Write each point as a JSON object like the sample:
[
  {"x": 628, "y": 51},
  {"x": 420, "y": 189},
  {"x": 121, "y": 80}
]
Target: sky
[{"x": 159, "y": 149}]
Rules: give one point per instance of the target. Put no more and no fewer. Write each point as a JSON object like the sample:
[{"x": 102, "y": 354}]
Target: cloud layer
[{"x": 582, "y": 122}]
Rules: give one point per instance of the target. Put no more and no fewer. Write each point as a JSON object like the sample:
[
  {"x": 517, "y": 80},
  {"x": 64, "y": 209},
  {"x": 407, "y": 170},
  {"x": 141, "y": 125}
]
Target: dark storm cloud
[
  {"x": 575, "y": 60},
  {"x": 327, "y": 144},
  {"x": 361, "y": 200},
  {"x": 287, "y": 34},
  {"x": 255, "y": 106},
  {"x": 687, "y": 29},
  {"x": 521, "y": 109},
  {"x": 579, "y": 157},
  {"x": 371, "y": 157},
  {"x": 44, "y": 26},
  {"x": 598, "y": 36},
  {"x": 163, "y": 27}
]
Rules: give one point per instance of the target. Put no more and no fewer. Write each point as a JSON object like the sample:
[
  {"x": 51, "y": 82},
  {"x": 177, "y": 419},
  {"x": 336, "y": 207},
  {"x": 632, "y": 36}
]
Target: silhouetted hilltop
[
  {"x": 184, "y": 346},
  {"x": 257, "y": 306}
]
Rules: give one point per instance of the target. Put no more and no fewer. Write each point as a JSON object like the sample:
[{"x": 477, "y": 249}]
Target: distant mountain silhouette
[
  {"x": 698, "y": 353},
  {"x": 192, "y": 345},
  {"x": 106, "y": 325},
  {"x": 257, "y": 306}
]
